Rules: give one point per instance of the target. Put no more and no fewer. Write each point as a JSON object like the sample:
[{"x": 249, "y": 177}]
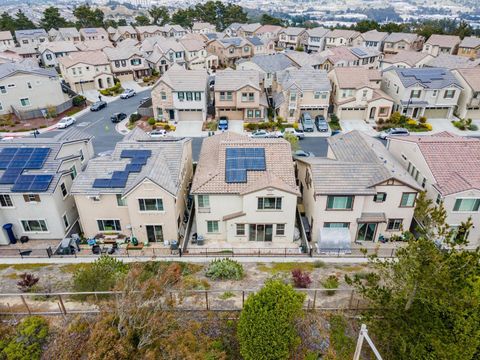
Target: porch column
[{"x": 450, "y": 112}]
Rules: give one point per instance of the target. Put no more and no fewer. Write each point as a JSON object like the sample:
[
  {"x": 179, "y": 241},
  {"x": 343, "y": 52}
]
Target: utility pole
[{"x": 364, "y": 335}]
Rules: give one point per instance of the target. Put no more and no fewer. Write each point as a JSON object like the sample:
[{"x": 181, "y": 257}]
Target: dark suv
[{"x": 117, "y": 117}]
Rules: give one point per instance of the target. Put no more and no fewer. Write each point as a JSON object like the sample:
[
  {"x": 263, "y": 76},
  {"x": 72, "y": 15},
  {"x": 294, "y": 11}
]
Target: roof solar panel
[
  {"x": 39, "y": 186},
  {"x": 133, "y": 167},
  {"x": 34, "y": 164},
  {"x": 118, "y": 183},
  {"x": 20, "y": 187},
  {"x": 101, "y": 183},
  {"x": 120, "y": 175},
  {"x": 4, "y": 164},
  {"x": 25, "y": 151},
  {"x": 9, "y": 151},
  {"x": 25, "y": 179}
]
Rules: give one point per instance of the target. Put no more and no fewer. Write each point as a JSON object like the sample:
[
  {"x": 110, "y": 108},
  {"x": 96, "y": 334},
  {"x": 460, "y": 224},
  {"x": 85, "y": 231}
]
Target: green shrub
[
  {"x": 251, "y": 126},
  {"x": 342, "y": 344},
  {"x": 225, "y": 269},
  {"x": 422, "y": 119},
  {"x": 299, "y": 48},
  {"x": 135, "y": 117},
  {"x": 331, "y": 283},
  {"x": 318, "y": 264},
  {"x": 78, "y": 100},
  {"x": 226, "y": 295},
  {"x": 192, "y": 283},
  {"x": 151, "y": 121},
  {"x": 167, "y": 127},
  {"x": 31, "y": 335}
]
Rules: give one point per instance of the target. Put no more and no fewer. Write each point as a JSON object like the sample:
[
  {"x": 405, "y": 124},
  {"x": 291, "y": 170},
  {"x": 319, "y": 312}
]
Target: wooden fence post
[
  {"x": 62, "y": 305},
  {"x": 206, "y": 299},
  {"x": 243, "y": 298},
  {"x": 314, "y": 298},
  {"x": 351, "y": 299},
  {"x": 26, "y": 305}
]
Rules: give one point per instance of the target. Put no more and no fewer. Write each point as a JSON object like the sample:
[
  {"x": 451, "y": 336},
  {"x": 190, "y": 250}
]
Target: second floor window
[
  {"x": 203, "y": 201},
  {"x": 248, "y": 97},
  {"x": 269, "y": 203},
  {"x": 449, "y": 94},
  {"x": 226, "y": 95},
  {"x": 120, "y": 200},
  {"x": 150, "y": 204},
  {"x": 163, "y": 95},
  {"x": 135, "y": 62},
  {"x": 415, "y": 94},
  {"x": 339, "y": 202},
  {"x": 469, "y": 205},
  {"x": 408, "y": 199},
  {"x": 380, "y": 197},
  {"x": 6, "y": 201}
]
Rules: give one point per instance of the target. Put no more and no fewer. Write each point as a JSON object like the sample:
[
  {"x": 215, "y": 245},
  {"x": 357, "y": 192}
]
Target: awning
[
  {"x": 372, "y": 218},
  {"x": 233, "y": 216},
  {"x": 334, "y": 240}
]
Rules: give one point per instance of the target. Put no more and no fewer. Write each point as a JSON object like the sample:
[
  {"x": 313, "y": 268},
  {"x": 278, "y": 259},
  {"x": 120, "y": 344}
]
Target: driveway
[
  {"x": 189, "y": 129},
  {"x": 439, "y": 125},
  {"x": 132, "y": 85},
  {"x": 235, "y": 126},
  {"x": 349, "y": 125}
]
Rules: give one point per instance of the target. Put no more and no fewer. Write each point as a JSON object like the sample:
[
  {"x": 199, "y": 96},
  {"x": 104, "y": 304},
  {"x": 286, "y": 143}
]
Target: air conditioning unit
[{"x": 94, "y": 198}]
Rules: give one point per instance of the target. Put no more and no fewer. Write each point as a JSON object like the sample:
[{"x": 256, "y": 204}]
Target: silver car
[
  {"x": 66, "y": 122},
  {"x": 393, "y": 132}
]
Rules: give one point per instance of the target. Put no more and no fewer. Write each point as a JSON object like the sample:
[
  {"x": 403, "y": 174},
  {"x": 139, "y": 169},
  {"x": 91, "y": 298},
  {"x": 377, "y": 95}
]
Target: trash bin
[
  {"x": 11, "y": 236},
  {"x": 200, "y": 240},
  {"x": 174, "y": 245}
]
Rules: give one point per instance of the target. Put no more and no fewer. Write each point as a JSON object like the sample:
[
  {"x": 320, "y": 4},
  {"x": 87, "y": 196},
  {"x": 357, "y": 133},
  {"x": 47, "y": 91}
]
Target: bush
[
  {"x": 135, "y": 117},
  {"x": 301, "y": 279},
  {"x": 331, "y": 283},
  {"x": 78, "y": 100},
  {"x": 318, "y": 264},
  {"x": 465, "y": 124},
  {"x": 251, "y": 126},
  {"x": 114, "y": 90},
  {"x": 427, "y": 126},
  {"x": 395, "y": 118},
  {"x": 167, "y": 127},
  {"x": 299, "y": 48},
  {"x": 151, "y": 121},
  {"x": 422, "y": 119},
  {"x": 411, "y": 122},
  {"x": 380, "y": 121},
  {"x": 31, "y": 335},
  {"x": 27, "y": 282},
  {"x": 225, "y": 269}
]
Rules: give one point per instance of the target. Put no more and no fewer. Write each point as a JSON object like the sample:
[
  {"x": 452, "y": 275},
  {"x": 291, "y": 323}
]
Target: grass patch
[
  {"x": 285, "y": 267},
  {"x": 23, "y": 267},
  {"x": 13, "y": 276},
  {"x": 71, "y": 268},
  {"x": 192, "y": 283},
  {"x": 226, "y": 295},
  {"x": 350, "y": 268},
  {"x": 342, "y": 344}
]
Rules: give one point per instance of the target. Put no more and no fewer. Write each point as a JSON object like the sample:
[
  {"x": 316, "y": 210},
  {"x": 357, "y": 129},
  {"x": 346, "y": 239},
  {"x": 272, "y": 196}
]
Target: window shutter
[{"x": 25, "y": 198}]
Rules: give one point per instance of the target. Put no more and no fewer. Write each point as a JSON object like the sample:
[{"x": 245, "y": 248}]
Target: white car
[
  {"x": 158, "y": 133},
  {"x": 66, "y": 122},
  {"x": 290, "y": 130},
  {"x": 128, "y": 93},
  {"x": 393, "y": 132}
]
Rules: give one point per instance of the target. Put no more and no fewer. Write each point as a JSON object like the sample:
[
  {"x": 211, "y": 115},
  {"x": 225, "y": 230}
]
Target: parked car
[
  {"x": 66, "y": 122},
  {"x": 117, "y": 117},
  {"x": 99, "y": 105},
  {"x": 321, "y": 123},
  {"x": 307, "y": 122},
  {"x": 223, "y": 123},
  {"x": 394, "y": 132},
  {"x": 290, "y": 130},
  {"x": 336, "y": 132},
  {"x": 128, "y": 93},
  {"x": 303, "y": 153},
  {"x": 158, "y": 133},
  {"x": 260, "y": 134}
]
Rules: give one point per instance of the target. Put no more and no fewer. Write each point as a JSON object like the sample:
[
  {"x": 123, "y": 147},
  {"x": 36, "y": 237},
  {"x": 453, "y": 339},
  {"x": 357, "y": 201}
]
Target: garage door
[
  {"x": 122, "y": 78},
  {"x": 351, "y": 114},
  {"x": 473, "y": 114},
  {"x": 436, "y": 113},
  {"x": 189, "y": 115}
]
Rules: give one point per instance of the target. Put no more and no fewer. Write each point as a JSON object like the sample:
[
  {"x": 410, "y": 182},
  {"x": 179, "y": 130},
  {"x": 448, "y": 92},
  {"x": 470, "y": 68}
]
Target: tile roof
[
  {"x": 94, "y": 31},
  {"x": 453, "y": 160},
  {"x": 85, "y": 57},
  {"x": 210, "y": 172},
  {"x": 472, "y": 77},
  {"x": 357, "y": 77},
  {"x": 374, "y": 35},
  {"x": 268, "y": 29},
  {"x": 338, "y": 54},
  {"x": 122, "y": 52},
  {"x": 192, "y": 44},
  {"x": 306, "y": 79},
  {"x": 30, "y": 33},
  {"x": 251, "y": 27},
  {"x": 91, "y": 45},
  {"x": 166, "y": 44},
  {"x": 304, "y": 59},
  {"x": 443, "y": 40},
  {"x": 232, "y": 80},
  {"x": 5, "y": 35},
  {"x": 399, "y": 36},
  {"x": 11, "y": 68},
  {"x": 57, "y": 46},
  {"x": 235, "y": 41},
  {"x": 255, "y": 41},
  {"x": 452, "y": 62},
  {"x": 202, "y": 25},
  {"x": 181, "y": 79},
  {"x": 429, "y": 78},
  {"x": 341, "y": 33},
  {"x": 470, "y": 42},
  {"x": 126, "y": 29},
  {"x": 63, "y": 33},
  {"x": 271, "y": 63},
  {"x": 149, "y": 29},
  {"x": 317, "y": 32},
  {"x": 292, "y": 31},
  {"x": 411, "y": 58}
]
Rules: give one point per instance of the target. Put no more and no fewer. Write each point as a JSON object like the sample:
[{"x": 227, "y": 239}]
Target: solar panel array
[
  {"x": 15, "y": 160},
  {"x": 425, "y": 75},
  {"x": 358, "y": 52},
  {"x": 119, "y": 178},
  {"x": 240, "y": 160}
]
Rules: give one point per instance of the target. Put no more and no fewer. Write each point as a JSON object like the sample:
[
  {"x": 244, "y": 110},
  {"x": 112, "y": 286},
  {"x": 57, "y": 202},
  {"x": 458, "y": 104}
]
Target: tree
[
  {"x": 22, "y": 22},
  {"x": 88, "y": 17},
  {"x": 268, "y": 19},
  {"x": 216, "y": 12},
  {"x": 142, "y": 20},
  {"x": 183, "y": 17},
  {"x": 293, "y": 140},
  {"x": 266, "y": 328},
  {"x": 7, "y": 22},
  {"x": 122, "y": 22},
  {"x": 366, "y": 25},
  {"x": 110, "y": 23},
  {"x": 394, "y": 27},
  {"x": 52, "y": 19},
  {"x": 159, "y": 15}
]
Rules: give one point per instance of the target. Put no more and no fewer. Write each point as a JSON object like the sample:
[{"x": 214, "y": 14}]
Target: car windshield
[{"x": 223, "y": 121}]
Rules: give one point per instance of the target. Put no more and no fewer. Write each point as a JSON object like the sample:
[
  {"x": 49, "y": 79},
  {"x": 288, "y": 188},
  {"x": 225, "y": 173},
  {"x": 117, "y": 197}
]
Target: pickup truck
[{"x": 290, "y": 130}]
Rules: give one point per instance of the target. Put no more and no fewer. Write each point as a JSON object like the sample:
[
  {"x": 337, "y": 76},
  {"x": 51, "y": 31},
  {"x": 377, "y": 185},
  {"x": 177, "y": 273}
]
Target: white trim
[{"x": 34, "y": 232}]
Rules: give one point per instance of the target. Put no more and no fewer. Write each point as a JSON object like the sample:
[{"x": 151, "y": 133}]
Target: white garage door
[
  {"x": 473, "y": 114},
  {"x": 352, "y": 114},
  {"x": 125, "y": 77},
  {"x": 436, "y": 113},
  {"x": 189, "y": 115},
  {"x": 314, "y": 111}
]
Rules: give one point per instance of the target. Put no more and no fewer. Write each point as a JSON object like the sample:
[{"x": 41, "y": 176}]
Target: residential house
[
  {"x": 65, "y": 34},
  {"x": 25, "y": 87},
  {"x": 229, "y": 50},
  {"x": 26, "y": 52},
  {"x": 371, "y": 39},
  {"x": 405, "y": 59},
  {"x": 358, "y": 193},
  {"x": 123, "y": 33},
  {"x": 36, "y": 180},
  {"x": 31, "y": 38},
  {"x": 248, "y": 30},
  {"x": 239, "y": 96},
  {"x": 469, "y": 99},
  {"x": 86, "y": 70},
  {"x": 51, "y": 51},
  {"x": 166, "y": 52},
  {"x": 245, "y": 193},
  {"x": 173, "y": 31},
  {"x": 313, "y": 40},
  {"x": 447, "y": 167},
  {"x": 441, "y": 44},
  {"x": 356, "y": 94},
  {"x": 93, "y": 34},
  {"x": 203, "y": 28},
  {"x": 396, "y": 42},
  {"x": 127, "y": 63},
  {"x": 417, "y": 92},
  {"x": 147, "y": 31},
  {"x": 140, "y": 190},
  {"x": 181, "y": 95},
  {"x": 452, "y": 62},
  {"x": 340, "y": 37},
  {"x": 232, "y": 29},
  {"x": 92, "y": 45},
  {"x": 262, "y": 45},
  {"x": 196, "y": 55},
  {"x": 319, "y": 61},
  {"x": 290, "y": 37},
  {"x": 269, "y": 31},
  {"x": 470, "y": 47},
  {"x": 301, "y": 90},
  {"x": 6, "y": 40}
]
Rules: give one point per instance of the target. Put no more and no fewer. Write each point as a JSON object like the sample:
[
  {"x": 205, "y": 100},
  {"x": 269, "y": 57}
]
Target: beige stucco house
[
  {"x": 6, "y": 40},
  {"x": 313, "y": 40},
  {"x": 93, "y": 34},
  {"x": 447, "y": 167},
  {"x": 441, "y": 44},
  {"x": 37, "y": 199},
  {"x": 140, "y": 190},
  {"x": 127, "y": 62},
  {"x": 396, "y": 42},
  {"x": 371, "y": 39},
  {"x": 290, "y": 38},
  {"x": 405, "y": 59},
  {"x": 196, "y": 55},
  {"x": 202, "y": 28},
  {"x": 469, "y": 99},
  {"x": 64, "y": 34},
  {"x": 470, "y": 47},
  {"x": 31, "y": 37},
  {"x": 245, "y": 192},
  {"x": 50, "y": 52},
  {"x": 144, "y": 32},
  {"x": 340, "y": 37},
  {"x": 359, "y": 186},
  {"x": 229, "y": 50}
]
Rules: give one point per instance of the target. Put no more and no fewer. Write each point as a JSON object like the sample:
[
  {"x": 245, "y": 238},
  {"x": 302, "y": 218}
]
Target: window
[
  {"x": 258, "y": 113},
  {"x": 415, "y": 94},
  {"x": 212, "y": 226},
  {"x": 280, "y": 230},
  {"x": 3, "y": 90},
  {"x": 6, "y": 201},
  {"x": 240, "y": 229},
  {"x": 246, "y": 49},
  {"x": 150, "y": 204},
  {"x": 380, "y": 197},
  {"x": 73, "y": 173},
  {"x": 25, "y": 102},
  {"x": 189, "y": 96},
  {"x": 394, "y": 224},
  {"x": 270, "y": 203},
  {"x": 449, "y": 94},
  {"x": 438, "y": 200},
  {"x": 1, "y": 107},
  {"x": 469, "y": 205},
  {"x": 249, "y": 113},
  {"x": 31, "y": 198},
  {"x": 164, "y": 95},
  {"x": 81, "y": 155},
  {"x": 135, "y": 62},
  {"x": 181, "y": 96},
  {"x": 34, "y": 225},
  {"x": 293, "y": 96},
  {"x": 65, "y": 221},
  {"x": 198, "y": 96},
  {"x": 109, "y": 225},
  {"x": 408, "y": 199},
  {"x": 317, "y": 95},
  {"x": 121, "y": 201},
  {"x": 339, "y": 202},
  {"x": 424, "y": 182},
  {"x": 341, "y": 225},
  {"x": 203, "y": 201},
  {"x": 64, "y": 189}
]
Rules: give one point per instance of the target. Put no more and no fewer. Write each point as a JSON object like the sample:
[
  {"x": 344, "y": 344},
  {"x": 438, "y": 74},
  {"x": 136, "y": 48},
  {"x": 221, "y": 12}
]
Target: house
[
  {"x": 319, "y": 61},
  {"x": 239, "y": 96},
  {"x": 31, "y": 38},
  {"x": 396, "y": 42},
  {"x": 181, "y": 95},
  {"x": 65, "y": 34},
  {"x": 340, "y": 37},
  {"x": 229, "y": 50},
  {"x": 367, "y": 57},
  {"x": 371, "y": 39},
  {"x": 36, "y": 180},
  {"x": 245, "y": 192},
  {"x": 448, "y": 169},
  {"x": 267, "y": 66},
  {"x": 262, "y": 45},
  {"x": 441, "y": 44},
  {"x": 356, "y": 94},
  {"x": 313, "y": 40},
  {"x": 342, "y": 56},
  {"x": 26, "y": 87},
  {"x": 86, "y": 70},
  {"x": 93, "y": 34},
  {"x": 469, "y": 47},
  {"x": 26, "y": 51},
  {"x": 6, "y": 40},
  {"x": 269, "y": 31},
  {"x": 140, "y": 190},
  {"x": 301, "y": 90},
  {"x": 232, "y": 29},
  {"x": 147, "y": 31},
  {"x": 51, "y": 51},
  {"x": 248, "y": 30},
  {"x": 452, "y": 62},
  {"x": 173, "y": 31},
  {"x": 469, "y": 99},
  {"x": 127, "y": 62},
  {"x": 92, "y": 45},
  {"x": 405, "y": 59},
  {"x": 417, "y": 92},
  {"x": 290, "y": 37},
  {"x": 196, "y": 55},
  {"x": 123, "y": 33},
  {"x": 165, "y": 53},
  {"x": 202, "y": 28},
  {"x": 360, "y": 187}
]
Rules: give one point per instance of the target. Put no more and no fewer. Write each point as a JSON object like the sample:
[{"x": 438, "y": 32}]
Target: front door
[
  {"x": 372, "y": 112},
  {"x": 415, "y": 113},
  {"x": 154, "y": 233},
  {"x": 260, "y": 232},
  {"x": 366, "y": 231},
  {"x": 171, "y": 113}
]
